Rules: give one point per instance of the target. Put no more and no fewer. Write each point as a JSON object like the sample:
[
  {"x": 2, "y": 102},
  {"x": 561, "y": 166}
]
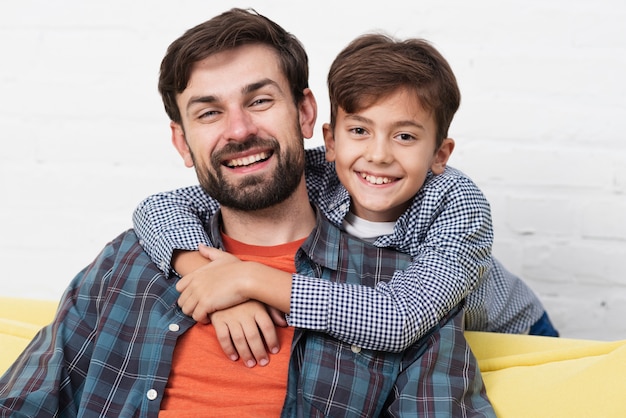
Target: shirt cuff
[{"x": 310, "y": 299}]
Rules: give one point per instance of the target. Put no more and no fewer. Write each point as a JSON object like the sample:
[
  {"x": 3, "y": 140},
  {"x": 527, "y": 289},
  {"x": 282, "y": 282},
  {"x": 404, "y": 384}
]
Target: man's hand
[{"x": 246, "y": 331}]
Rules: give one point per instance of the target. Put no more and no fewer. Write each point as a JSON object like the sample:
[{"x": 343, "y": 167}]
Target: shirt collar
[{"x": 322, "y": 245}]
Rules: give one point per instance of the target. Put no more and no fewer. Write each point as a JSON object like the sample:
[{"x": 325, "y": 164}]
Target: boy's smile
[{"x": 383, "y": 154}]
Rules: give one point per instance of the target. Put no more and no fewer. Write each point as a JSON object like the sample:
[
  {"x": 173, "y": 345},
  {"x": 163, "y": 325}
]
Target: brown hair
[
  {"x": 231, "y": 29},
  {"x": 375, "y": 65}
]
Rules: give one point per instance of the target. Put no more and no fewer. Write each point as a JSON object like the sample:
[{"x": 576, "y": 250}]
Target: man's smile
[{"x": 248, "y": 160}]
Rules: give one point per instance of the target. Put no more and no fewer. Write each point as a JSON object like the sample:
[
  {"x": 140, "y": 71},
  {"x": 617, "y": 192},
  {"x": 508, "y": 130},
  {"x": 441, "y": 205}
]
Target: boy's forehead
[{"x": 403, "y": 100}]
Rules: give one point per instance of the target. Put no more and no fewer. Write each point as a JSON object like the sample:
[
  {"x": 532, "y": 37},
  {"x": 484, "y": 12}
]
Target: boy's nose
[{"x": 378, "y": 151}]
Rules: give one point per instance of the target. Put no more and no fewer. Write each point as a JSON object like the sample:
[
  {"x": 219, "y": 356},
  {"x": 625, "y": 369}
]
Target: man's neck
[{"x": 288, "y": 221}]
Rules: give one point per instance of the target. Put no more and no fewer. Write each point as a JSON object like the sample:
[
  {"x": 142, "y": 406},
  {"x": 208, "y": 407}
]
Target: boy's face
[{"x": 383, "y": 153}]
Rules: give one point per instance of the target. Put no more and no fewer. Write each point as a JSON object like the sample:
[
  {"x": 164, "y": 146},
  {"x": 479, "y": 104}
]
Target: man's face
[
  {"x": 383, "y": 153},
  {"x": 241, "y": 129}
]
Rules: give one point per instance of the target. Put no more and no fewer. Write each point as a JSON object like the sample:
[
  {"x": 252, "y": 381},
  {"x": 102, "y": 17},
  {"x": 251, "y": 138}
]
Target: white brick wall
[{"x": 84, "y": 136}]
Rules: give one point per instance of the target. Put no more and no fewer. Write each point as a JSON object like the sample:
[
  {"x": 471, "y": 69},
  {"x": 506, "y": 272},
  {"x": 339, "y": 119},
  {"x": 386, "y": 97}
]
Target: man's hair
[
  {"x": 231, "y": 29},
  {"x": 376, "y": 65}
]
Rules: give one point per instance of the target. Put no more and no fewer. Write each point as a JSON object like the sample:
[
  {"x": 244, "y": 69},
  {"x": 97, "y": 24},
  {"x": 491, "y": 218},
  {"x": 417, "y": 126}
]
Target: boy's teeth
[
  {"x": 251, "y": 159},
  {"x": 376, "y": 180}
]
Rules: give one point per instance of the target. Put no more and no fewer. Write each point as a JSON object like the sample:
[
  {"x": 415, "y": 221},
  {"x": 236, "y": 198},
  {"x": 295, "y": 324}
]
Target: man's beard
[{"x": 255, "y": 192}]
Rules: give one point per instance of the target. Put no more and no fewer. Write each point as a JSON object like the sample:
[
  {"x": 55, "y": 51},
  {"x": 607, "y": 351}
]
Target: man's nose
[{"x": 240, "y": 125}]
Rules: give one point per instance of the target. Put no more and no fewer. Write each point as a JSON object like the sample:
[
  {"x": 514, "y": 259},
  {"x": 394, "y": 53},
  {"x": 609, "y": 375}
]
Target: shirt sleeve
[
  {"x": 48, "y": 377},
  {"x": 173, "y": 220},
  {"x": 449, "y": 237}
]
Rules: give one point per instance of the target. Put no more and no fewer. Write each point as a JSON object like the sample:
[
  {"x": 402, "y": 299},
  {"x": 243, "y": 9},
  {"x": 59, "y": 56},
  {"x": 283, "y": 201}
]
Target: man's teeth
[
  {"x": 251, "y": 159},
  {"x": 376, "y": 180}
]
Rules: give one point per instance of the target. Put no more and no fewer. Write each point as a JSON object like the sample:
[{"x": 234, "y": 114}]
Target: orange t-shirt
[{"x": 204, "y": 382}]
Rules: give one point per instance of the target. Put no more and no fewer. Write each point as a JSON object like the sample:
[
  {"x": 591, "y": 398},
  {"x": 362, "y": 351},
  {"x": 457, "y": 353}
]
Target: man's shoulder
[{"x": 125, "y": 252}]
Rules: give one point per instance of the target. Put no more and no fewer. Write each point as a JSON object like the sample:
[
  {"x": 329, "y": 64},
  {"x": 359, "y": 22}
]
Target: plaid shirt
[
  {"x": 447, "y": 230},
  {"x": 108, "y": 352}
]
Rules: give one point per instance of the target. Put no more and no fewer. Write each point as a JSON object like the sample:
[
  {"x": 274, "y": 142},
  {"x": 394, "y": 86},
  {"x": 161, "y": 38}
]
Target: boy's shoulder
[
  {"x": 316, "y": 155},
  {"x": 451, "y": 177}
]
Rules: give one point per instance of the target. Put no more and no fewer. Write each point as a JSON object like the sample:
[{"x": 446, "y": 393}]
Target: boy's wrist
[{"x": 248, "y": 285}]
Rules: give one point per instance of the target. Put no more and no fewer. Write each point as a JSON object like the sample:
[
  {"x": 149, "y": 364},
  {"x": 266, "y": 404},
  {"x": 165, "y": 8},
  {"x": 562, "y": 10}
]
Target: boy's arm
[
  {"x": 170, "y": 221},
  {"x": 448, "y": 263}
]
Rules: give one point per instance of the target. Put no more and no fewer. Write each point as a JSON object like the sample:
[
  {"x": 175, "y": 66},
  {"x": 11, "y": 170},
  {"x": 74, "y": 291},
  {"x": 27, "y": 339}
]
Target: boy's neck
[
  {"x": 365, "y": 229},
  {"x": 285, "y": 222}
]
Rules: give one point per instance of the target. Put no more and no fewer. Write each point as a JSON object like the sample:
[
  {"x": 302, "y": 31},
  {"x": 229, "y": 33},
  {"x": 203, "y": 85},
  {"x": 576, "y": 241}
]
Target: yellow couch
[{"x": 525, "y": 376}]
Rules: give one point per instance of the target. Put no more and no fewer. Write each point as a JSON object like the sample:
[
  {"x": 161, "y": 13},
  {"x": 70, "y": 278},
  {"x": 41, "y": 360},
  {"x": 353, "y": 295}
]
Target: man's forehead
[{"x": 237, "y": 69}]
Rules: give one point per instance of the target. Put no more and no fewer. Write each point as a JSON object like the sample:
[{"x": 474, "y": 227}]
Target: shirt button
[
  {"x": 174, "y": 327},
  {"x": 355, "y": 349},
  {"x": 152, "y": 394},
  {"x": 344, "y": 207}
]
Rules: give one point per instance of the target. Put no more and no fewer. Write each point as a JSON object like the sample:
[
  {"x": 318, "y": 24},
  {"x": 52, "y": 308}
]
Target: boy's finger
[
  {"x": 223, "y": 337},
  {"x": 254, "y": 343},
  {"x": 238, "y": 337},
  {"x": 269, "y": 335}
]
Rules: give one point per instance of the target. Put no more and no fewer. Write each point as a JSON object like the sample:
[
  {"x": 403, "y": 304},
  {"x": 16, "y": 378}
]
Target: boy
[{"x": 391, "y": 105}]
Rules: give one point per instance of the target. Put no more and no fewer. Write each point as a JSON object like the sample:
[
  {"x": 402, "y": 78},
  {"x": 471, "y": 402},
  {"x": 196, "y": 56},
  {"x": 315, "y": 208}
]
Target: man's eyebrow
[
  {"x": 200, "y": 100},
  {"x": 250, "y": 88}
]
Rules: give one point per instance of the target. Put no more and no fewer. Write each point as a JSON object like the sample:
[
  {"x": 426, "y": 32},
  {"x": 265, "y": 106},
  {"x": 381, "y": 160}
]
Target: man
[{"x": 236, "y": 90}]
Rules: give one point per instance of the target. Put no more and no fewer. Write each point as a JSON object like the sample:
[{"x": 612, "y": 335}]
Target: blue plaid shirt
[
  {"x": 447, "y": 230},
  {"x": 108, "y": 351}
]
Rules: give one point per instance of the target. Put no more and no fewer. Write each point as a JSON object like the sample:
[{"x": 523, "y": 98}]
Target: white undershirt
[{"x": 366, "y": 230}]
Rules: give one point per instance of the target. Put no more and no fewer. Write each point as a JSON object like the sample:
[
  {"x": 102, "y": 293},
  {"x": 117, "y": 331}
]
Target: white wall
[{"x": 540, "y": 129}]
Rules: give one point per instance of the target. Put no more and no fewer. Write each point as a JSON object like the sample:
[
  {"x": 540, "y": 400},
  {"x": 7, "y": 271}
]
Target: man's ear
[
  {"x": 180, "y": 143},
  {"x": 329, "y": 142},
  {"x": 442, "y": 155},
  {"x": 307, "y": 110}
]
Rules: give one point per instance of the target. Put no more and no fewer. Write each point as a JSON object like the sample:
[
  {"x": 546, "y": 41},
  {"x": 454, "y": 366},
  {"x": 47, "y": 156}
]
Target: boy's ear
[
  {"x": 329, "y": 142},
  {"x": 180, "y": 143},
  {"x": 307, "y": 111},
  {"x": 442, "y": 155}
]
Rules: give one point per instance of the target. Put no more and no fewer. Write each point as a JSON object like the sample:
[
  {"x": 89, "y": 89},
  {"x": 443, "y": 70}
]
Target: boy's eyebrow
[
  {"x": 396, "y": 124},
  {"x": 247, "y": 89}
]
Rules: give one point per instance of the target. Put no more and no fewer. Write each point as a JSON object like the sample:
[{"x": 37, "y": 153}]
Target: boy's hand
[
  {"x": 246, "y": 331},
  {"x": 205, "y": 290}
]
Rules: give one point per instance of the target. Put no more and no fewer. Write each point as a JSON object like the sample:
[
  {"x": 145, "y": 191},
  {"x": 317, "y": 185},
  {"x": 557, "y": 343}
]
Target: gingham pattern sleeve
[{"x": 173, "y": 220}]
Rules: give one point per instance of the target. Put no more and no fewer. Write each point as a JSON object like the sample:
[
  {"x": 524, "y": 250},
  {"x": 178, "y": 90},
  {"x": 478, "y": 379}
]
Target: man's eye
[
  {"x": 208, "y": 114},
  {"x": 261, "y": 102}
]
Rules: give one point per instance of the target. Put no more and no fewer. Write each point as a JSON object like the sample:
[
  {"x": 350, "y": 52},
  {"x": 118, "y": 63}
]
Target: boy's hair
[
  {"x": 376, "y": 65},
  {"x": 231, "y": 29}
]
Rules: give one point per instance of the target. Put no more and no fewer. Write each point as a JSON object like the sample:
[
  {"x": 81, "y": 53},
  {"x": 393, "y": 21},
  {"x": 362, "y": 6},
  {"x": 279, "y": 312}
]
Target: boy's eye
[
  {"x": 405, "y": 137},
  {"x": 358, "y": 131}
]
